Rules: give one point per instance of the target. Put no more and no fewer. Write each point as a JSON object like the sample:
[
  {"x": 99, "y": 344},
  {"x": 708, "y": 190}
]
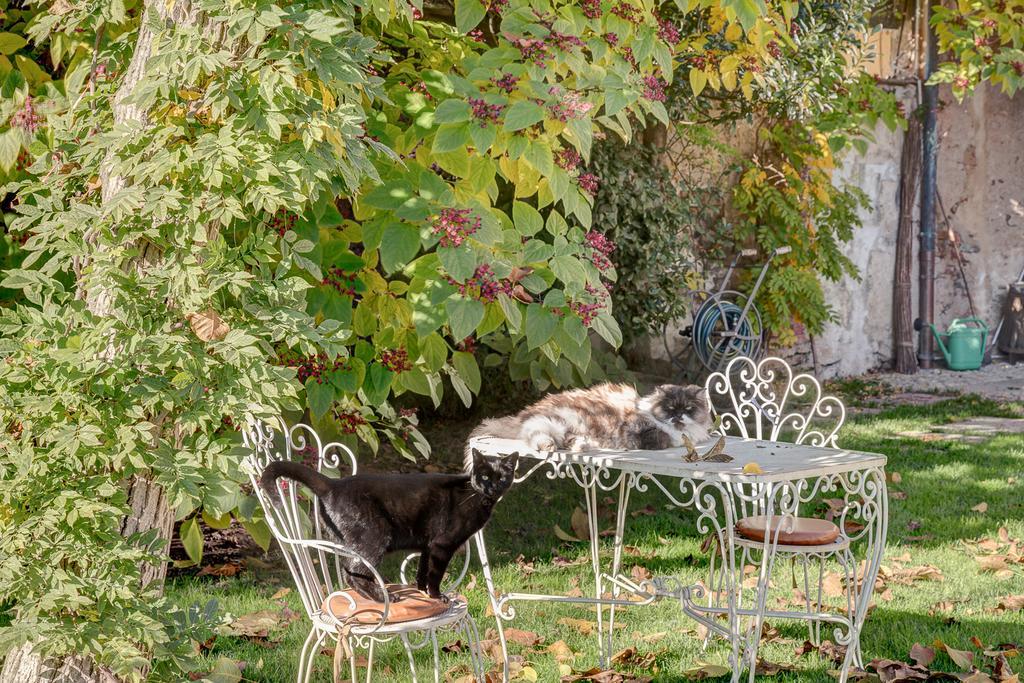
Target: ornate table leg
[
  {"x": 874, "y": 510},
  {"x": 620, "y": 527},
  {"x": 485, "y": 565},
  {"x": 595, "y": 563}
]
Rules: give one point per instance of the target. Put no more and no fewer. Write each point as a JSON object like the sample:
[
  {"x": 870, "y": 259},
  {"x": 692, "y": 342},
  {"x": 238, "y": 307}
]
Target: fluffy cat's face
[
  {"x": 492, "y": 477},
  {"x": 678, "y": 405}
]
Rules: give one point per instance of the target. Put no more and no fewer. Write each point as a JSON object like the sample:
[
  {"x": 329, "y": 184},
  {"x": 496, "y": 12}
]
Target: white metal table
[{"x": 721, "y": 493}]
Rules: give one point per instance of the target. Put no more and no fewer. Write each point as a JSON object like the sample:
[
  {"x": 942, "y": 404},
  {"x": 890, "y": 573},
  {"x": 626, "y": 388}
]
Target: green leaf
[
  {"x": 527, "y": 219},
  {"x": 460, "y": 262},
  {"x": 399, "y": 245},
  {"x": 259, "y": 531},
  {"x": 538, "y": 153},
  {"x": 319, "y": 396},
  {"x": 510, "y": 307},
  {"x": 452, "y": 111},
  {"x": 11, "y": 43},
  {"x": 348, "y": 379},
  {"x": 617, "y": 99},
  {"x": 540, "y": 325},
  {"x": 463, "y": 316},
  {"x": 493, "y": 318},
  {"x": 605, "y": 325},
  {"x": 451, "y": 137},
  {"x": 377, "y": 384},
  {"x": 569, "y": 270},
  {"x": 192, "y": 539},
  {"x": 465, "y": 364},
  {"x": 222, "y": 522},
  {"x": 524, "y": 114},
  {"x": 468, "y": 14},
  {"x": 434, "y": 351}
]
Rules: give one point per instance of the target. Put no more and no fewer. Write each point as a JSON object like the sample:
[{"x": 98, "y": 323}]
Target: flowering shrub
[{"x": 985, "y": 40}]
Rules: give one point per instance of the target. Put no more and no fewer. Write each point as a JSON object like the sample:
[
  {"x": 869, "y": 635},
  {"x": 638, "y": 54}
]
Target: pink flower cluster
[
  {"x": 568, "y": 106},
  {"x": 588, "y": 183},
  {"x": 343, "y": 283},
  {"x": 654, "y": 89},
  {"x": 612, "y": 39},
  {"x": 601, "y": 249},
  {"x": 586, "y": 312},
  {"x": 26, "y": 118},
  {"x": 497, "y": 6},
  {"x": 627, "y": 11},
  {"x": 282, "y": 221},
  {"x": 591, "y": 8},
  {"x": 485, "y": 113},
  {"x": 565, "y": 41},
  {"x": 312, "y": 366},
  {"x": 454, "y": 226},
  {"x": 483, "y": 285},
  {"x": 533, "y": 50},
  {"x": 668, "y": 31},
  {"x": 349, "y": 421},
  {"x": 568, "y": 159},
  {"x": 395, "y": 360},
  {"x": 506, "y": 82}
]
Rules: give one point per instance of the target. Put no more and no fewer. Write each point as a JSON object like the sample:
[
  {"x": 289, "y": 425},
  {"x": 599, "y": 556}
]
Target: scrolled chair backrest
[
  {"x": 292, "y": 513},
  {"x": 766, "y": 400}
]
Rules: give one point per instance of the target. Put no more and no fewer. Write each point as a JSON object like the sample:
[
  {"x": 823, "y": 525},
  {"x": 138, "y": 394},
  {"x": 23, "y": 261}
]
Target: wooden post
[{"x": 904, "y": 354}]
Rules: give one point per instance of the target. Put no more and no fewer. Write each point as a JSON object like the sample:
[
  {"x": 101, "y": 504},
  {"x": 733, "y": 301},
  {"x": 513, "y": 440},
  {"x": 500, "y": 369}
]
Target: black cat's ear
[
  {"x": 478, "y": 459},
  {"x": 511, "y": 462}
]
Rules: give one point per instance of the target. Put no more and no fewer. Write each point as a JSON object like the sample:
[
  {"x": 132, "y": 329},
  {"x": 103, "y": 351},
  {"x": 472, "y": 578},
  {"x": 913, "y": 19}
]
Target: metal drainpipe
[{"x": 929, "y": 158}]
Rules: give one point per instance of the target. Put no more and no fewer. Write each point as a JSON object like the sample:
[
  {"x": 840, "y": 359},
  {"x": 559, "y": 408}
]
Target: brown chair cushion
[
  {"x": 413, "y": 605},
  {"x": 806, "y": 530}
]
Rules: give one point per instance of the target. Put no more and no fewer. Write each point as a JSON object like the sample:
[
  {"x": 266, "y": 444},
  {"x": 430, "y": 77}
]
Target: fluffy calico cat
[
  {"x": 374, "y": 514},
  {"x": 606, "y": 416}
]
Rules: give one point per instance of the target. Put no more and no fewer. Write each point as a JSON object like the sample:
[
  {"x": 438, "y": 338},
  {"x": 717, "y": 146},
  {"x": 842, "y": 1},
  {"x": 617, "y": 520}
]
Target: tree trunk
[{"x": 149, "y": 507}]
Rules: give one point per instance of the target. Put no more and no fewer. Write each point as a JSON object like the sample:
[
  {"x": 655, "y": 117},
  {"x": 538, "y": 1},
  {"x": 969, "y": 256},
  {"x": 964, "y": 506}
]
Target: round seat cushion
[
  {"x": 805, "y": 530},
  {"x": 411, "y": 605}
]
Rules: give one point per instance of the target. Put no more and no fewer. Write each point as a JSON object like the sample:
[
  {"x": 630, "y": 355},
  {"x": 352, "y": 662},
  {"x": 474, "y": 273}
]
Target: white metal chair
[
  {"x": 315, "y": 563},
  {"x": 765, "y": 400}
]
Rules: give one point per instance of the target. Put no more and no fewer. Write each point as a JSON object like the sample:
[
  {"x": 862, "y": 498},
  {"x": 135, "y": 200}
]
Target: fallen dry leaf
[
  {"x": 561, "y": 651},
  {"x": 645, "y": 511},
  {"x": 1011, "y": 603},
  {"x": 766, "y": 668},
  {"x": 563, "y": 536},
  {"x": 922, "y": 656},
  {"x": 259, "y": 625},
  {"x": 752, "y": 468},
  {"x": 525, "y": 638},
  {"x": 580, "y": 524},
  {"x": 981, "y": 507},
  {"x": 703, "y": 671},
  {"x": 226, "y": 569},
  {"x": 895, "y": 477},
  {"x": 582, "y": 625},
  {"x": 991, "y": 563},
  {"x": 281, "y": 592},
  {"x": 638, "y": 573},
  {"x": 962, "y": 658}
]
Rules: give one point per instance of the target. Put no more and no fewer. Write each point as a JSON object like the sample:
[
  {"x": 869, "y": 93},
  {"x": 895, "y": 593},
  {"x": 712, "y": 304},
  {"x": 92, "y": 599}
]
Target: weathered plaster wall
[{"x": 981, "y": 184}]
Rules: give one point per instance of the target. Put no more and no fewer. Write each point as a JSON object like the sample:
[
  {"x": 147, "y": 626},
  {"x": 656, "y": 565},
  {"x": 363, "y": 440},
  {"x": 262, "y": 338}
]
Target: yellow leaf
[
  {"x": 734, "y": 32},
  {"x": 745, "y": 82},
  {"x": 729, "y": 63},
  {"x": 698, "y": 79},
  {"x": 729, "y": 80},
  {"x": 326, "y": 97},
  {"x": 752, "y": 468}
]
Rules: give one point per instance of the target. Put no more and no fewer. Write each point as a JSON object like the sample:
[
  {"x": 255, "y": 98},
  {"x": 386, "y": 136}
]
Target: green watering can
[{"x": 965, "y": 347}]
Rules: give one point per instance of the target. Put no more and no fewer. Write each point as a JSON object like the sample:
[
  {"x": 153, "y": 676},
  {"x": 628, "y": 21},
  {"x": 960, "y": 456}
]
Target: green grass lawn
[{"x": 931, "y": 520}]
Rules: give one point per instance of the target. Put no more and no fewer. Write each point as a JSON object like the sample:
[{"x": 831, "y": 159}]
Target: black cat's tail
[{"x": 316, "y": 482}]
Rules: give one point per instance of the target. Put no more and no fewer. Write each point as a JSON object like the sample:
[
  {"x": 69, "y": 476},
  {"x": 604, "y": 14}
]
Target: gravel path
[{"x": 997, "y": 381}]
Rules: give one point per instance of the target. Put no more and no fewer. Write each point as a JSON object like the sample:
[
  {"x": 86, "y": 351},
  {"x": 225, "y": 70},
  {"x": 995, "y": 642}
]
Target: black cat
[{"x": 374, "y": 514}]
